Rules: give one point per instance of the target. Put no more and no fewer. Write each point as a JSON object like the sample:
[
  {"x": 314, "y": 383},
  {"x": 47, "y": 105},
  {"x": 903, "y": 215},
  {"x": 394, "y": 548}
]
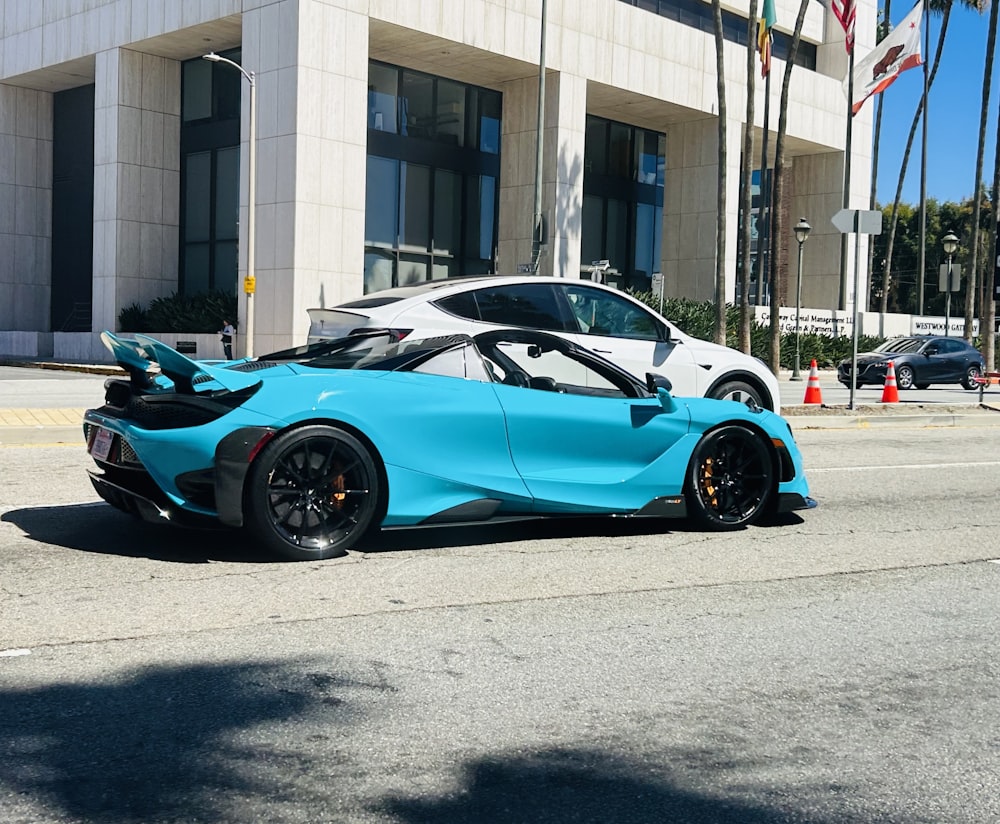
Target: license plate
[{"x": 102, "y": 444}]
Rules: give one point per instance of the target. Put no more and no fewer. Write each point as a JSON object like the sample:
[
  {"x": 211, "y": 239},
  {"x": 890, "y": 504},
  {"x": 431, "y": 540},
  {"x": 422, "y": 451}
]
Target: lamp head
[
  {"x": 802, "y": 230},
  {"x": 212, "y": 56},
  {"x": 950, "y": 243}
]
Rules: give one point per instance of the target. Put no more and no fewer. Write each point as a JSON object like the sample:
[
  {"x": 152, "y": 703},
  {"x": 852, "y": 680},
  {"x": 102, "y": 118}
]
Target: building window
[
  {"x": 623, "y": 200},
  {"x": 698, "y": 15},
  {"x": 432, "y": 178},
  {"x": 210, "y": 175}
]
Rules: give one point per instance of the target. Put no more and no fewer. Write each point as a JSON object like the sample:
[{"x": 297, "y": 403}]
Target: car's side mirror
[
  {"x": 655, "y": 382},
  {"x": 660, "y": 386},
  {"x": 534, "y": 351}
]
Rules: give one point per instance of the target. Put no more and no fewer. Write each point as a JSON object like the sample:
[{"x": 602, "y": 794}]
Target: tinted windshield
[{"x": 900, "y": 345}]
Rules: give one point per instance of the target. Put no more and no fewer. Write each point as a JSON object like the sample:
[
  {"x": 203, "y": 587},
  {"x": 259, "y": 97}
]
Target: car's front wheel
[
  {"x": 971, "y": 379},
  {"x": 904, "y": 377},
  {"x": 730, "y": 479},
  {"x": 312, "y": 493},
  {"x": 738, "y": 391}
]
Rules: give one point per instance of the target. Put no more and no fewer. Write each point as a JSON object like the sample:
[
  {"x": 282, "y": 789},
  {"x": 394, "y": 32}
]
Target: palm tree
[
  {"x": 944, "y": 8},
  {"x": 882, "y": 29},
  {"x": 720, "y": 220},
  {"x": 777, "y": 228},
  {"x": 977, "y": 196},
  {"x": 746, "y": 177}
]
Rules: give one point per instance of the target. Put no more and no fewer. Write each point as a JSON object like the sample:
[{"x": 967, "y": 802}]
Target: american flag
[{"x": 845, "y": 11}]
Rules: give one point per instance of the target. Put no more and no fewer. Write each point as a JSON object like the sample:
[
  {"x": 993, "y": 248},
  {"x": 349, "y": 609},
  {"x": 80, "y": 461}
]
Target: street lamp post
[
  {"x": 950, "y": 244},
  {"x": 250, "y": 281},
  {"x": 802, "y": 230}
]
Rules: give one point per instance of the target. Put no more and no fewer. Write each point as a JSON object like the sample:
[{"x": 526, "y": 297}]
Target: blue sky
[{"x": 954, "y": 107}]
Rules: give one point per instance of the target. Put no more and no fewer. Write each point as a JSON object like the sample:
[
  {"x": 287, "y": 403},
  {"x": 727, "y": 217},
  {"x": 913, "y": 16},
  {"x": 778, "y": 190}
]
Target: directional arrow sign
[{"x": 862, "y": 221}]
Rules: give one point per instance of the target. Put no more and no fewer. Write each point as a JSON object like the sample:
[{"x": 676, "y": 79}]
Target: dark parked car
[{"x": 918, "y": 362}]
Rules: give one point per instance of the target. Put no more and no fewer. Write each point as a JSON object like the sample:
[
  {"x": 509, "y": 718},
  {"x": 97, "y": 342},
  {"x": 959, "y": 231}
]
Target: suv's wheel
[{"x": 738, "y": 391}]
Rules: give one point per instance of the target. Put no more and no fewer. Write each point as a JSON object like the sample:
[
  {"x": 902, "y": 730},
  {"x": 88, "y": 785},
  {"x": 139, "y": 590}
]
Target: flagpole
[
  {"x": 923, "y": 169},
  {"x": 764, "y": 234},
  {"x": 847, "y": 181}
]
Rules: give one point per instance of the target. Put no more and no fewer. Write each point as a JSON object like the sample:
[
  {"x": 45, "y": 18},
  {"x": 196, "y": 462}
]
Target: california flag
[{"x": 899, "y": 51}]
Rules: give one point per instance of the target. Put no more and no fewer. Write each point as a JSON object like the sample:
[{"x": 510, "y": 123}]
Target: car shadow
[{"x": 100, "y": 528}]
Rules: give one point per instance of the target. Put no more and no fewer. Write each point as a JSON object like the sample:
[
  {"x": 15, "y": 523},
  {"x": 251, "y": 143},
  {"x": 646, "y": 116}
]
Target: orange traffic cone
[
  {"x": 890, "y": 393},
  {"x": 813, "y": 393}
]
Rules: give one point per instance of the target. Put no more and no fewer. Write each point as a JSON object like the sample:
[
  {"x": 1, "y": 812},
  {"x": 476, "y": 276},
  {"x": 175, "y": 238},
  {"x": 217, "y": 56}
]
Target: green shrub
[
  {"x": 193, "y": 314},
  {"x": 132, "y": 319}
]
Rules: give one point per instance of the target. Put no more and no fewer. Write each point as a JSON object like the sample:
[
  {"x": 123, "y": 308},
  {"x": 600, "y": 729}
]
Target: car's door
[
  {"x": 592, "y": 451},
  {"x": 953, "y": 358},
  {"x": 630, "y": 336}
]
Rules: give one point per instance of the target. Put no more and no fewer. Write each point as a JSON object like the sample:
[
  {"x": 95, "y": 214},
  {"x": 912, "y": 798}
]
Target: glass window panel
[
  {"x": 451, "y": 113},
  {"x": 227, "y": 193},
  {"x": 379, "y": 266},
  {"x": 644, "y": 242},
  {"x": 480, "y": 216},
  {"x": 382, "y": 106},
  {"x": 617, "y": 234},
  {"x": 197, "y": 94},
  {"x": 413, "y": 269},
  {"x": 592, "y": 243},
  {"x": 197, "y": 196},
  {"x": 227, "y": 86},
  {"x": 489, "y": 121},
  {"x": 414, "y": 206},
  {"x": 417, "y": 105},
  {"x": 595, "y": 151},
  {"x": 447, "y": 211},
  {"x": 476, "y": 266},
  {"x": 196, "y": 266},
  {"x": 226, "y": 266},
  {"x": 381, "y": 201},
  {"x": 657, "y": 238},
  {"x": 619, "y": 151},
  {"x": 647, "y": 161}
]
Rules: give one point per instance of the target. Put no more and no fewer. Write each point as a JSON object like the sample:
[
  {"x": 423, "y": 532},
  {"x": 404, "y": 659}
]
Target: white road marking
[
  {"x": 812, "y": 470},
  {"x": 13, "y": 653}
]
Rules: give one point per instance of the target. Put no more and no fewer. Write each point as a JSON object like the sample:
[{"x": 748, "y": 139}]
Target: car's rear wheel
[
  {"x": 730, "y": 479},
  {"x": 971, "y": 379},
  {"x": 312, "y": 493},
  {"x": 738, "y": 391},
  {"x": 904, "y": 377}
]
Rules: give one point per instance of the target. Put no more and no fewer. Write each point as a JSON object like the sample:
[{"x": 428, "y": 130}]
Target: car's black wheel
[
  {"x": 921, "y": 385},
  {"x": 738, "y": 391},
  {"x": 904, "y": 377},
  {"x": 971, "y": 379},
  {"x": 730, "y": 479},
  {"x": 312, "y": 493}
]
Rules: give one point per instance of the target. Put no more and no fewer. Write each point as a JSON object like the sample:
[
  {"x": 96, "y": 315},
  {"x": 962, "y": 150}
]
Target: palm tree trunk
[
  {"x": 746, "y": 178},
  {"x": 977, "y": 196},
  {"x": 777, "y": 217},
  {"x": 720, "y": 221},
  {"x": 894, "y": 218}
]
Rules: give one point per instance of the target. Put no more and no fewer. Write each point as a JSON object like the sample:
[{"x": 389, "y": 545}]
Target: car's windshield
[
  {"x": 901, "y": 345},
  {"x": 371, "y": 350}
]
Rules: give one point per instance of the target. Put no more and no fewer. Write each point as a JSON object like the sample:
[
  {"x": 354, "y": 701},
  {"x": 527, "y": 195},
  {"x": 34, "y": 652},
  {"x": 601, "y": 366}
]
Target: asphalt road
[{"x": 839, "y": 667}]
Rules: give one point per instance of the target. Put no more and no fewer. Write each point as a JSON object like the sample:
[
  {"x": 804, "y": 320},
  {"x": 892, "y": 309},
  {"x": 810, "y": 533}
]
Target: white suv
[{"x": 600, "y": 318}]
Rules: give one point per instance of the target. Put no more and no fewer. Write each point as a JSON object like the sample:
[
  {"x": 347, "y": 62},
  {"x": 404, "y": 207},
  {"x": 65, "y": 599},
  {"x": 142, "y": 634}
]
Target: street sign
[
  {"x": 956, "y": 278},
  {"x": 861, "y": 221},
  {"x": 525, "y": 268},
  {"x": 249, "y": 284}
]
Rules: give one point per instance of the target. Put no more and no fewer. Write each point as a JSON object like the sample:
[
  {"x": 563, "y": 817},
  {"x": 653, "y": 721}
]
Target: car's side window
[
  {"x": 600, "y": 313},
  {"x": 531, "y": 305}
]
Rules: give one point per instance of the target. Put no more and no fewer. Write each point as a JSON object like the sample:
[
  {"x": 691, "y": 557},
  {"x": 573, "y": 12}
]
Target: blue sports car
[{"x": 308, "y": 449}]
